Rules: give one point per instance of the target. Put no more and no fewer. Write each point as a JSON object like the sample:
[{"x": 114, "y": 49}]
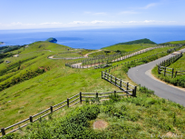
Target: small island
[
  {"x": 1, "y": 43},
  {"x": 53, "y": 40}
]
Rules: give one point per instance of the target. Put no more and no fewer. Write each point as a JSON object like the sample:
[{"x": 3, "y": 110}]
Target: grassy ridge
[
  {"x": 127, "y": 48},
  {"x": 141, "y": 41},
  {"x": 53, "y": 86}
]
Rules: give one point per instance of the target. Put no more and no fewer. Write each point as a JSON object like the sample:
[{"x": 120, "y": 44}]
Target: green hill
[
  {"x": 130, "y": 46},
  {"x": 31, "y": 83},
  {"x": 175, "y": 42},
  {"x": 141, "y": 41}
]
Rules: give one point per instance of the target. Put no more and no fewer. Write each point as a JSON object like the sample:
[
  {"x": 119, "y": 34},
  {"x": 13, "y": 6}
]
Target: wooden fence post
[
  {"x": 115, "y": 80},
  {"x": 102, "y": 74},
  {"x": 164, "y": 71},
  {"x": 3, "y": 131},
  {"x": 96, "y": 94},
  {"x": 134, "y": 91},
  {"x": 127, "y": 85},
  {"x": 175, "y": 73},
  {"x": 159, "y": 68},
  {"x": 67, "y": 102},
  {"x": 172, "y": 72},
  {"x": 51, "y": 109},
  {"x": 80, "y": 97},
  {"x": 31, "y": 119},
  {"x": 120, "y": 83},
  {"x": 114, "y": 93}
]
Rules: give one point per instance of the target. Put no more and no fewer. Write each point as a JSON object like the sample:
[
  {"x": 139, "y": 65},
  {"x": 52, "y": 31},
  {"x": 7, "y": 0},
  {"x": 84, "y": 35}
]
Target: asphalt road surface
[{"x": 142, "y": 75}]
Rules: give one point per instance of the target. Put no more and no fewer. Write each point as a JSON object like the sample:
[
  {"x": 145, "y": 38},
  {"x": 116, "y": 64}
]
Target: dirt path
[
  {"x": 79, "y": 65},
  {"x": 69, "y": 58}
]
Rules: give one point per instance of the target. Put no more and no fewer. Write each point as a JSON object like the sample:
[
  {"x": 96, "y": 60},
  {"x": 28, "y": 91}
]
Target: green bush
[{"x": 74, "y": 125}]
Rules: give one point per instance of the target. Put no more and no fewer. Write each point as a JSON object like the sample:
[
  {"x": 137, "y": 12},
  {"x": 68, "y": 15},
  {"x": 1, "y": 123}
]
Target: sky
[{"x": 33, "y": 14}]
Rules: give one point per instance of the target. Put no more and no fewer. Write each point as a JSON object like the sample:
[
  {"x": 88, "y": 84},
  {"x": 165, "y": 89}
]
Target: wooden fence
[
  {"x": 78, "y": 98},
  {"x": 90, "y": 62},
  {"x": 162, "y": 67},
  {"x": 124, "y": 86}
]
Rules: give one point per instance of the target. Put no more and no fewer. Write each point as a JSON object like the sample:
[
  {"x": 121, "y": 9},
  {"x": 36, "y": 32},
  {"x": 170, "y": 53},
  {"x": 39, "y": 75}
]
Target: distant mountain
[
  {"x": 53, "y": 40},
  {"x": 145, "y": 41}
]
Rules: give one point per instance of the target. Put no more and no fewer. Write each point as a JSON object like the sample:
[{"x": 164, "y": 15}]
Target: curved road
[{"x": 142, "y": 75}]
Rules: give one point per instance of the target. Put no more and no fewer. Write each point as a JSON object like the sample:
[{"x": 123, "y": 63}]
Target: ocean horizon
[{"x": 93, "y": 38}]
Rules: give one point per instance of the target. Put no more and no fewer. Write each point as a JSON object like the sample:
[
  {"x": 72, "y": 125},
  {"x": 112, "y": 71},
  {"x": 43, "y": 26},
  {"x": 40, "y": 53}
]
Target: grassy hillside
[
  {"x": 141, "y": 41},
  {"x": 175, "y": 42},
  {"x": 126, "y": 48},
  {"x": 146, "y": 116},
  {"x": 41, "y": 82},
  {"x": 57, "y": 82},
  {"x": 179, "y": 64}
]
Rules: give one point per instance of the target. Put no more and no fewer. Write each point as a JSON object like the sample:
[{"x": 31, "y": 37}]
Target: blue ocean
[{"x": 93, "y": 38}]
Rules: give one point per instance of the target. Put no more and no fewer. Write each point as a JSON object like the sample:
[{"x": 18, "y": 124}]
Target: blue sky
[{"x": 26, "y": 14}]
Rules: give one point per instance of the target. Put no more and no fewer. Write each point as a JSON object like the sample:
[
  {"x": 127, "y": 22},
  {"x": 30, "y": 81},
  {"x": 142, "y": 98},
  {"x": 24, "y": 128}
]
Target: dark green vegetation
[
  {"x": 141, "y": 41},
  {"x": 130, "y": 117},
  {"x": 6, "y": 49},
  {"x": 53, "y": 40}
]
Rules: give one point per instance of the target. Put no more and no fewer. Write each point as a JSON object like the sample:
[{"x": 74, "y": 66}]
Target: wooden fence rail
[
  {"x": 96, "y": 61},
  {"x": 162, "y": 67},
  {"x": 78, "y": 98}
]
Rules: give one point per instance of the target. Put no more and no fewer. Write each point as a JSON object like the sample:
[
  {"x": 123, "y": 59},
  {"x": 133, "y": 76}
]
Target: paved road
[{"x": 142, "y": 75}]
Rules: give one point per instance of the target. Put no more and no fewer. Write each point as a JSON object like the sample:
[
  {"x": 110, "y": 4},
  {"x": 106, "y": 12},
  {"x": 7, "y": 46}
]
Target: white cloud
[
  {"x": 51, "y": 23},
  {"x": 93, "y": 23},
  {"x": 97, "y": 22},
  {"x": 149, "y": 21},
  {"x": 172, "y": 21},
  {"x": 16, "y": 23},
  {"x": 149, "y": 5},
  {"x": 78, "y": 22}
]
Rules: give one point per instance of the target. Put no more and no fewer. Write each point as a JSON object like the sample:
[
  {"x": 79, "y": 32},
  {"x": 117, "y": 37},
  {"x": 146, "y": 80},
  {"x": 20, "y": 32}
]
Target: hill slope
[
  {"x": 143, "y": 41},
  {"x": 59, "y": 82}
]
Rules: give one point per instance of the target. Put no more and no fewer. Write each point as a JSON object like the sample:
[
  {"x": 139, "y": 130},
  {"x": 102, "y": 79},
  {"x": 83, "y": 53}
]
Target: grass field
[
  {"x": 179, "y": 64},
  {"x": 146, "y": 116},
  {"x": 59, "y": 82}
]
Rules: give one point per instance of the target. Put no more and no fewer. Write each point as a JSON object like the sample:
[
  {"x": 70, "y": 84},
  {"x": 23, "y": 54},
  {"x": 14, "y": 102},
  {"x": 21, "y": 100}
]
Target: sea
[{"x": 93, "y": 38}]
